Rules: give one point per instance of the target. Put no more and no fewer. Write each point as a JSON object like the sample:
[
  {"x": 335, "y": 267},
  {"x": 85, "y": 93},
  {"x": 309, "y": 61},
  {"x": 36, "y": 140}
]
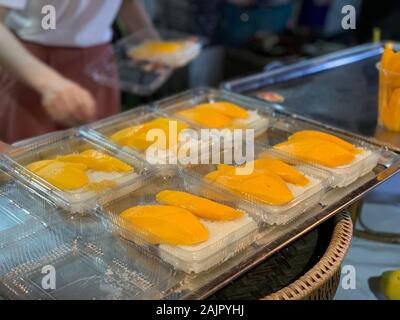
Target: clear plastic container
[
  {"x": 114, "y": 69},
  {"x": 143, "y": 75},
  {"x": 282, "y": 127},
  {"x": 134, "y": 44},
  {"x": 260, "y": 113},
  {"x": 66, "y": 142},
  {"x": 90, "y": 268},
  {"x": 226, "y": 238},
  {"x": 304, "y": 197},
  {"x": 20, "y": 210},
  {"x": 167, "y": 159},
  {"x": 88, "y": 261},
  {"x": 388, "y": 107}
]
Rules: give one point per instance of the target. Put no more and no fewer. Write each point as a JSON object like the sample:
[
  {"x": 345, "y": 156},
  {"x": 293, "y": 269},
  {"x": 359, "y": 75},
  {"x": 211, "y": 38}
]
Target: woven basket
[{"x": 322, "y": 280}]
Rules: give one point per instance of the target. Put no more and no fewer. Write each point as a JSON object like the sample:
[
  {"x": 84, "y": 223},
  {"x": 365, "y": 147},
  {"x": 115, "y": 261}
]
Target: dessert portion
[
  {"x": 170, "y": 53},
  {"x": 165, "y": 224},
  {"x": 272, "y": 181},
  {"x": 277, "y": 191},
  {"x": 90, "y": 170},
  {"x": 137, "y": 136},
  {"x": 161, "y": 134},
  {"x": 192, "y": 233},
  {"x": 389, "y": 89},
  {"x": 223, "y": 114},
  {"x": 344, "y": 160},
  {"x": 201, "y": 207}
]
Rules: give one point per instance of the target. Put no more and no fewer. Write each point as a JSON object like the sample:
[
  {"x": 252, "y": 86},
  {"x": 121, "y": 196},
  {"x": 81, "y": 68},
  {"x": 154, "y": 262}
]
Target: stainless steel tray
[{"x": 204, "y": 284}]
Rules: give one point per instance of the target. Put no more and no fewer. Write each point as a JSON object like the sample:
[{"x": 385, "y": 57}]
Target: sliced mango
[
  {"x": 216, "y": 115},
  {"x": 229, "y": 180},
  {"x": 391, "y": 116},
  {"x": 161, "y": 123},
  {"x": 394, "y": 63},
  {"x": 206, "y": 118},
  {"x": 312, "y": 134},
  {"x": 152, "y": 48},
  {"x": 282, "y": 169},
  {"x": 65, "y": 176},
  {"x": 36, "y": 166},
  {"x": 265, "y": 186},
  {"x": 136, "y": 137},
  {"x": 225, "y": 167},
  {"x": 199, "y": 206},
  {"x": 97, "y": 160},
  {"x": 389, "y": 83},
  {"x": 105, "y": 162},
  {"x": 228, "y": 109},
  {"x": 268, "y": 188},
  {"x": 317, "y": 151},
  {"x": 164, "y": 224},
  {"x": 122, "y": 137}
]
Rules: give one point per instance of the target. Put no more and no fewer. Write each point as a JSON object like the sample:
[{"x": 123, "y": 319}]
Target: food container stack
[{"x": 91, "y": 202}]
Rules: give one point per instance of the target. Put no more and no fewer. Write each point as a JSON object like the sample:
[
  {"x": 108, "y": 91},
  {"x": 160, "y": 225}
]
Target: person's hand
[{"x": 66, "y": 102}]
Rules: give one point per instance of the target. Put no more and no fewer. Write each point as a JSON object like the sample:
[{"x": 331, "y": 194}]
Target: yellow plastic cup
[{"x": 389, "y": 99}]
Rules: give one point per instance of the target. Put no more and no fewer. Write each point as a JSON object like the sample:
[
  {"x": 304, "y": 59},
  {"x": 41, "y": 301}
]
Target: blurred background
[{"x": 246, "y": 36}]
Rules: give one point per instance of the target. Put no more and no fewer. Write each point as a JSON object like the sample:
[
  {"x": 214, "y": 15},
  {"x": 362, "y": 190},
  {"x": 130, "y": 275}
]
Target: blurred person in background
[{"x": 51, "y": 90}]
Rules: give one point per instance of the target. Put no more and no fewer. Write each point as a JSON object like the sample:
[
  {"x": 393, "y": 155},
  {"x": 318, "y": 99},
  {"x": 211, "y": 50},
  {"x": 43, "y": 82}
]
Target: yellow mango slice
[
  {"x": 270, "y": 165},
  {"x": 213, "y": 175},
  {"x": 97, "y": 160},
  {"x": 229, "y": 180},
  {"x": 35, "y": 166},
  {"x": 317, "y": 151},
  {"x": 136, "y": 137},
  {"x": 139, "y": 140},
  {"x": 206, "y": 118},
  {"x": 389, "y": 83},
  {"x": 282, "y": 169},
  {"x": 312, "y": 134},
  {"x": 394, "y": 63},
  {"x": 162, "y": 123},
  {"x": 164, "y": 224},
  {"x": 105, "y": 162},
  {"x": 266, "y": 186},
  {"x": 199, "y": 206},
  {"x": 391, "y": 114},
  {"x": 152, "y": 48},
  {"x": 64, "y": 176},
  {"x": 225, "y": 167},
  {"x": 122, "y": 137},
  {"x": 215, "y": 115},
  {"x": 225, "y": 108}
]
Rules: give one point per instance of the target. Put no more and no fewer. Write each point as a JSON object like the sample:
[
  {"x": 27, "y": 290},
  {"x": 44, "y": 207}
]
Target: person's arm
[
  {"x": 64, "y": 101},
  {"x": 135, "y": 18}
]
